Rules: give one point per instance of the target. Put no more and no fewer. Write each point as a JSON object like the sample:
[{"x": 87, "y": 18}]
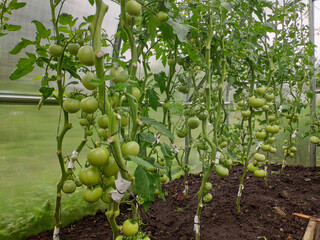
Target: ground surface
[{"x": 266, "y": 212}]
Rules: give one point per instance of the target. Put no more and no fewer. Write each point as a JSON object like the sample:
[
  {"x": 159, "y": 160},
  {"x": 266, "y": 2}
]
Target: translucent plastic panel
[
  {"x": 29, "y": 170},
  {"x": 40, "y": 10}
]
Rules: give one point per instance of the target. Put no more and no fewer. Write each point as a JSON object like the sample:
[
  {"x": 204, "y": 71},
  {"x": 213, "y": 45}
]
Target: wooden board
[{"x": 309, "y": 233}]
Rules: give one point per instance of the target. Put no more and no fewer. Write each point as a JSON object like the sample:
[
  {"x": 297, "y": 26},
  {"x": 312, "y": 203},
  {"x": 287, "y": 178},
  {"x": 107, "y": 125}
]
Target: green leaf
[
  {"x": 89, "y": 19},
  {"x": 65, "y": 19},
  {"x": 144, "y": 183},
  {"x": 151, "y": 23},
  {"x": 13, "y": 5},
  {"x": 146, "y": 137},
  {"x": 21, "y": 45},
  {"x": 11, "y": 27},
  {"x": 42, "y": 32},
  {"x": 140, "y": 161},
  {"x": 166, "y": 150},
  {"x": 180, "y": 29},
  {"x": 194, "y": 55},
  {"x": 46, "y": 92},
  {"x": 159, "y": 126},
  {"x": 152, "y": 95},
  {"x": 161, "y": 80},
  {"x": 91, "y": 2},
  {"x": 24, "y": 66}
]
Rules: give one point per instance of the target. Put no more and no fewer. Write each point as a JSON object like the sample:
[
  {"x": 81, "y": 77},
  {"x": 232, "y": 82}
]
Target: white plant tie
[
  {"x": 259, "y": 145},
  {"x": 266, "y": 169},
  {"x": 241, "y": 187},
  {"x": 122, "y": 186},
  {"x": 196, "y": 224},
  {"x": 218, "y": 155},
  {"x": 175, "y": 149},
  {"x": 71, "y": 164},
  {"x": 56, "y": 233},
  {"x": 294, "y": 134},
  {"x": 280, "y": 109},
  {"x": 74, "y": 155}
]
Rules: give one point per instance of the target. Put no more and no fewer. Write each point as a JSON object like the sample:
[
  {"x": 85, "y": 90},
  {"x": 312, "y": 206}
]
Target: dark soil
[{"x": 266, "y": 212}]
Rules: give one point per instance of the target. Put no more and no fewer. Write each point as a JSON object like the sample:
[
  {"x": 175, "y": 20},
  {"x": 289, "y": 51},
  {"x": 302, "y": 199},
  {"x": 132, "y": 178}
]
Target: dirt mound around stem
[{"x": 266, "y": 211}]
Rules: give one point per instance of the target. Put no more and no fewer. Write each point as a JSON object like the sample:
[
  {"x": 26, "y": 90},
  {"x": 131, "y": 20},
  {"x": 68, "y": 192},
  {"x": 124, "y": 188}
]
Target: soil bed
[{"x": 266, "y": 212}]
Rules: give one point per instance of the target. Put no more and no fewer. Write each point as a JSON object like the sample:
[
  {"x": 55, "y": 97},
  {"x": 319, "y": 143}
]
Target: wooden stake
[{"x": 308, "y": 235}]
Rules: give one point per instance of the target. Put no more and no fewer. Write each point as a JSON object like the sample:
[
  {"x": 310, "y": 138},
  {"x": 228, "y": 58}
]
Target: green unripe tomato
[
  {"x": 73, "y": 48},
  {"x": 221, "y": 171},
  {"x": 269, "y": 97},
  {"x": 171, "y": 62},
  {"x": 259, "y": 173},
  {"x": 272, "y": 129},
  {"x": 164, "y": 178},
  {"x": 129, "y": 228},
  {"x": 118, "y": 74},
  {"x": 193, "y": 123},
  {"x": 78, "y": 182},
  {"x": 240, "y": 103},
  {"x": 265, "y": 107},
  {"x": 136, "y": 93},
  {"x": 92, "y": 195},
  {"x": 261, "y": 135},
  {"x": 133, "y": 7},
  {"x": 106, "y": 196},
  {"x": 110, "y": 168},
  {"x": 293, "y": 149},
  {"x": 207, "y": 198},
  {"x": 89, "y": 132},
  {"x": 69, "y": 186},
  {"x": 271, "y": 118},
  {"x": 265, "y": 147},
  {"x": 103, "y": 121},
  {"x": 261, "y": 91},
  {"x": 81, "y": 42},
  {"x": 102, "y": 132},
  {"x": 259, "y": 157},
  {"x": 71, "y": 105},
  {"x": 246, "y": 113},
  {"x": 162, "y": 17},
  {"x": 256, "y": 102},
  {"x": 124, "y": 120},
  {"x": 180, "y": 61},
  {"x": 208, "y": 186},
  {"x": 251, "y": 167},
  {"x": 271, "y": 139},
  {"x": 224, "y": 144},
  {"x": 98, "y": 157},
  {"x": 182, "y": 133},
  {"x": 314, "y": 140},
  {"x": 83, "y": 121},
  {"x": 55, "y": 50},
  {"x": 130, "y": 148},
  {"x": 273, "y": 150},
  {"x": 86, "y": 55},
  {"x": 89, "y": 176},
  {"x": 86, "y": 81},
  {"x": 165, "y": 106},
  {"x": 89, "y": 105},
  {"x": 291, "y": 155}
]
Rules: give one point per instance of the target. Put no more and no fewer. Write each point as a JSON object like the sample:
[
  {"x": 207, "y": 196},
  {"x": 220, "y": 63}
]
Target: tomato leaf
[
  {"x": 152, "y": 95},
  {"x": 140, "y": 161},
  {"x": 11, "y": 27},
  {"x": 144, "y": 183},
  {"x": 166, "y": 150},
  {"x": 42, "y": 32},
  {"x": 24, "y": 66},
  {"x": 162, "y": 129},
  {"x": 180, "y": 29},
  {"x": 21, "y": 45},
  {"x": 146, "y": 137},
  {"x": 13, "y": 5},
  {"x": 161, "y": 80}
]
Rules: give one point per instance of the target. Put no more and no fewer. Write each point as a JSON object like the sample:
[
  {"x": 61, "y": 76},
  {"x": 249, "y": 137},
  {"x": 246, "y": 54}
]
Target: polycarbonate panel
[{"x": 40, "y": 10}]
